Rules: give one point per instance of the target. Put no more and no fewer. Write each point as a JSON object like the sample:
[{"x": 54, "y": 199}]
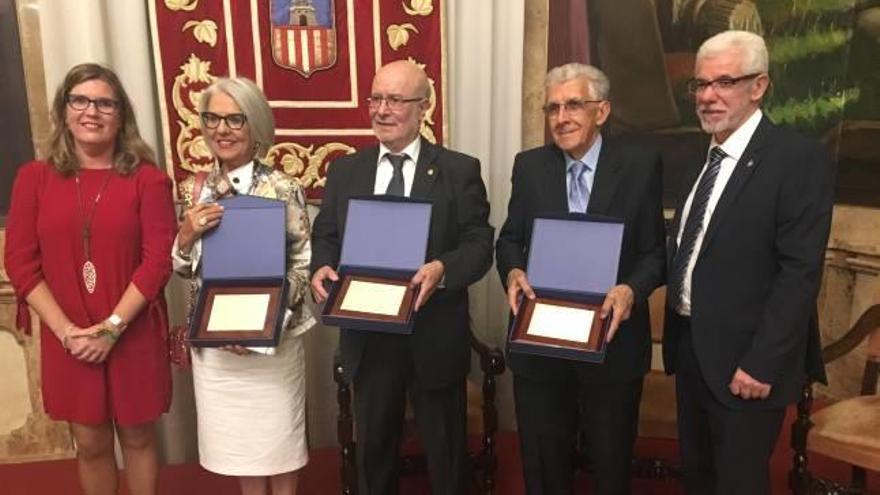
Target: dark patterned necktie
[
  {"x": 396, "y": 186},
  {"x": 694, "y": 225}
]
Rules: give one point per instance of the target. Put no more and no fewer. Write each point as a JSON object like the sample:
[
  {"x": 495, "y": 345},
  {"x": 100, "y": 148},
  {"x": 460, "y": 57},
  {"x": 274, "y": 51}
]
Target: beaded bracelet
[{"x": 110, "y": 334}]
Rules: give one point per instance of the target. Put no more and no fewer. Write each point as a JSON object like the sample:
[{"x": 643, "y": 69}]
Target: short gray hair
[
  {"x": 751, "y": 47},
  {"x": 597, "y": 81},
  {"x": 248, "y": 96}
]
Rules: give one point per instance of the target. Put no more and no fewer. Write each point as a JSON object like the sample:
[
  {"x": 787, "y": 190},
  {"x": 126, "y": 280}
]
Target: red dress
[{"x": 132, "y": 230}]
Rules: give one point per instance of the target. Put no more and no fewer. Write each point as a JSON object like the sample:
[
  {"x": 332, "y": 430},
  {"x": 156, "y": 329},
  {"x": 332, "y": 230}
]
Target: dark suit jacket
[
  {"x": 754, "y": 284},
  {"x": 627, "y": 185},
  {"x": 460, "y": 237}
]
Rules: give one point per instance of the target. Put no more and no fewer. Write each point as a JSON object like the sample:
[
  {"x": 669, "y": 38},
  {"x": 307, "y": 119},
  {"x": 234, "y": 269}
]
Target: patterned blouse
[{"x": 266, "y": 182}]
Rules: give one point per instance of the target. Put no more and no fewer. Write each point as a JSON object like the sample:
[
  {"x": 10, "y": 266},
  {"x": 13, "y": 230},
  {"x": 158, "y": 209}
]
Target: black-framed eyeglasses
[
  {"x": 393, "y": 102},
  {"x": 570, "y": 106},
  {"x": 107, "y": 106},
  {"x": 233, "y": 120},
  {"x": 722, "y": 83}
]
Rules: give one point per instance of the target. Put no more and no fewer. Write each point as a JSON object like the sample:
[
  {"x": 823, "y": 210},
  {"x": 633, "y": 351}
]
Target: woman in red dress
[{"x": 87, "y": 242}]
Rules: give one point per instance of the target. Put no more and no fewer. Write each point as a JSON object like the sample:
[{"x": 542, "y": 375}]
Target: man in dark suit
[
  {"x": 746, "y": 252},
  {"x": 579, "y": 171},
  {"x": 432, "y": 363}
]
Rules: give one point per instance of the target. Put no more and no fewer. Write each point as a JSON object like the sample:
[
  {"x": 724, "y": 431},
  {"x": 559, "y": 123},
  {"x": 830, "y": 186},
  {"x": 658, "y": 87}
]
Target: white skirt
[{"x": 251, "y": 410}]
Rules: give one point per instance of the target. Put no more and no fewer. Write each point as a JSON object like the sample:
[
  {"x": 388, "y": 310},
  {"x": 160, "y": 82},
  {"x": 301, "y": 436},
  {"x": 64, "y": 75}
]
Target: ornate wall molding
[{"x": 37, "y": 437}]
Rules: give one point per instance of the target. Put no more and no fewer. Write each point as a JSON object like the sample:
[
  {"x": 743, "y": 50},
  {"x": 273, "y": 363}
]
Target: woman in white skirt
[{"x": 250, "y": 401}]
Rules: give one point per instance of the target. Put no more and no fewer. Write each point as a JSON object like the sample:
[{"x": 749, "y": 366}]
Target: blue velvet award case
[
  {"x": 244, "y": 276},
  {"x": 384, "y": 245},
  {"x": 573, "y": 262}
]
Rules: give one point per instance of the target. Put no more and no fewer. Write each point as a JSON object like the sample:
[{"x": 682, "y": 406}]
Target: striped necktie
[{"x": 694, "y": 224}]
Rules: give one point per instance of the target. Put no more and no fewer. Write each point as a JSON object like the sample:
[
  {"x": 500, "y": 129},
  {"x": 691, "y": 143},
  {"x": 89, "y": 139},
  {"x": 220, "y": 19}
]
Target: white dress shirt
[
  {"x": 385, "y": 171},
  {"x": 734, "y": 147}
]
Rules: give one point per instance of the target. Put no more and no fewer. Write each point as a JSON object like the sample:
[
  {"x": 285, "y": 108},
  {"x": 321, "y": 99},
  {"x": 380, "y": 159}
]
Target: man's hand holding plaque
[
  {"x": 518, "y": 283},
  {"x": 427, "y": 279},
  {"x": 618, "y": 303},
  {"x": 319, "y": 279}
]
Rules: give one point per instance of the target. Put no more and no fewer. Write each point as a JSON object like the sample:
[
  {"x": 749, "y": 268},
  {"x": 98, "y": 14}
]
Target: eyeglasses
[
  {"x": 723, "y": 83},
  {"x": 394, "y": 103},
  {"x": 233, "y": 120},
  {"x": 570, "y": 106},
  {"x": 104, "y": 105}
]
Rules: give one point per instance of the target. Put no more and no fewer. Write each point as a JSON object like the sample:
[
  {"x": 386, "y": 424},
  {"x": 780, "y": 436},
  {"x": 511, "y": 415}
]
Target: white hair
[
  {"x": 751, "y": 47},
  {"x": 596, "y": 79},
  {"x": 248, "y": 96}
]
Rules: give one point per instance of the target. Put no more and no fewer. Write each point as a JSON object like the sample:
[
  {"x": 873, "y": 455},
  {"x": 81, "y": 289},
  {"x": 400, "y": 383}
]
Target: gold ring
[{"x": 203, "y": 221}]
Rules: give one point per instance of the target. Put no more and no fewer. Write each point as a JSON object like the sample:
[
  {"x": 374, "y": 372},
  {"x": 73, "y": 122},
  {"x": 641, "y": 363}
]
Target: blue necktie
[
  {"x": 694, "y": 224},
  {"x": 578, "y": 191}
]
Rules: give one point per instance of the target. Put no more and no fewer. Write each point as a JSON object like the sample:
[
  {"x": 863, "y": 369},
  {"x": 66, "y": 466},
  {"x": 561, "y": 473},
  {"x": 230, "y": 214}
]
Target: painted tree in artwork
[
  {"x": 824, "y": 55},
  {"x": 825, "y": 62}
]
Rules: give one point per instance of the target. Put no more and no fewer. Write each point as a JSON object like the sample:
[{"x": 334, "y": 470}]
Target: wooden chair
[
  {"x": 657, "y": 410},
  {"x": 482, "y": 419},
  {"x": 658, "y": 416},
  {"x": 848, "y": 430}
]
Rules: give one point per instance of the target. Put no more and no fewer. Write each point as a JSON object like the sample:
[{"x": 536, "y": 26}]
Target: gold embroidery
[
  {"x": 195, "y": 76},
  {"x": 305, "y": 162},
  {"x": 308, "y": 164},
  {"x": 418, "y": 7},
  {"x": 187, "y": 5},
  {"x": 428, "y": 122},
  {"x": 398, "y": 34},
  {"x": 203, "y": 31},
  {"x": 185, "y": 190}
]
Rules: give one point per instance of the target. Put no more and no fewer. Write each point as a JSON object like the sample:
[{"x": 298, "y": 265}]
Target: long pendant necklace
[{"x": 89, "y": 273}]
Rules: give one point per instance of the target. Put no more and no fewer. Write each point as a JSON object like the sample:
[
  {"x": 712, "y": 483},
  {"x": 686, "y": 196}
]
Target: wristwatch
[
  {"x": 113, "y": 327},
  {"x": 116, "y": 324},
  {"x": 116, "y": 321}
]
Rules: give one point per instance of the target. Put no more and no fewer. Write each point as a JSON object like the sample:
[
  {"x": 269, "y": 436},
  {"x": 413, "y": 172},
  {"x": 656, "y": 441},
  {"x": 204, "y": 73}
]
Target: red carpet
[{"x": 321, "y": 475}]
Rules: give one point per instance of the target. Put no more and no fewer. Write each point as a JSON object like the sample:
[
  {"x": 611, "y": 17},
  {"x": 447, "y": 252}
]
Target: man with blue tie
[
  {"x": 583, "y": 172},
  {"x": 746, "y": 251}
]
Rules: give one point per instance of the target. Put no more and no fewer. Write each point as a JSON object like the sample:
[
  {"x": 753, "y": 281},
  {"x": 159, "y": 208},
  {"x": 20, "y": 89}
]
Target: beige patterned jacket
[{"x": 272, "y": 184}]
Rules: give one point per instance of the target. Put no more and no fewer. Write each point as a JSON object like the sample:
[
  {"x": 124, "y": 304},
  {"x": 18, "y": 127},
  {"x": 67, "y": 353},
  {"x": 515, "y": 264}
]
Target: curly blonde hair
[{"x": 130, "y": 149}]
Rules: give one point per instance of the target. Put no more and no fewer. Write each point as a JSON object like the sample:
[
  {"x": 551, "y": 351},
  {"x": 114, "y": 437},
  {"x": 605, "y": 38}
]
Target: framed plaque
[
  {"x": 385, "y": 243},
  {"x": 573, "y": 261},
  {"x": 561, "y": 323},
  {"x": 374, "y": 298},
  {"x": 244, "y": 276},
  {"x": 239, "y": 315}
]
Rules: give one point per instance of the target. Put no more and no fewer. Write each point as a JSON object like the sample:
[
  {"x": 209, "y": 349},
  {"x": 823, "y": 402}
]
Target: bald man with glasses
[{"x": 430, "y": 365}]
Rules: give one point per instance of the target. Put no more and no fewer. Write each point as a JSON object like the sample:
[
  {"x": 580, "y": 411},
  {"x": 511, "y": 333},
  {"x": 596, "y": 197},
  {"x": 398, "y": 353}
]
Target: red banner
[{"x": 314, "y": 60}]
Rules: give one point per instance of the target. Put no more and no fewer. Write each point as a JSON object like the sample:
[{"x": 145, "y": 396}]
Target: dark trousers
[
  {"x": 549, "y": 415},
  {"x": 384, "y": 377},
  {"x": 723, "y": 450}
]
